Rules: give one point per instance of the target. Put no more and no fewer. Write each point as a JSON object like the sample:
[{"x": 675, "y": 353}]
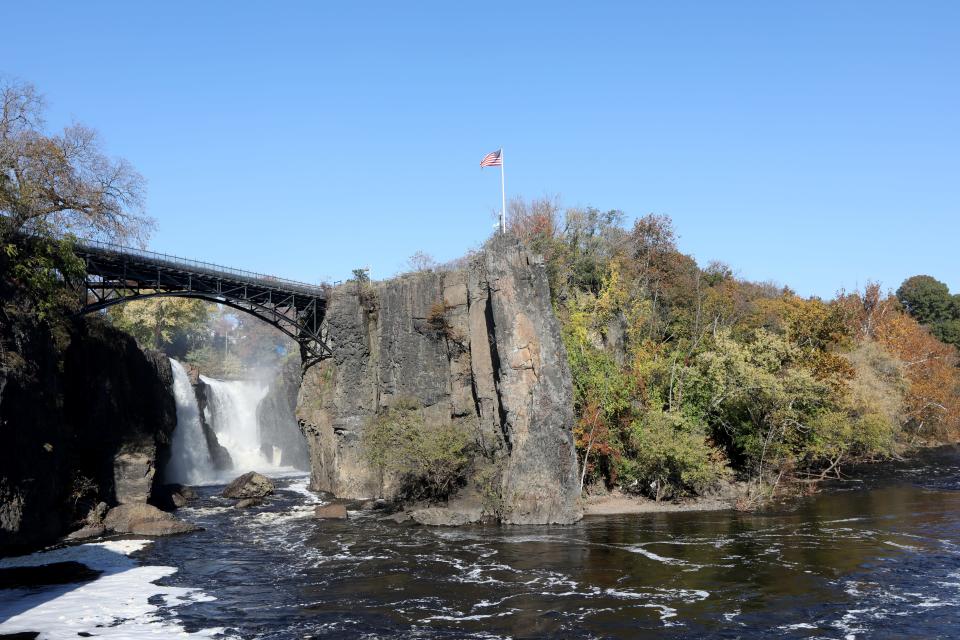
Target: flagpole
[{"x": 503, "y": 197}]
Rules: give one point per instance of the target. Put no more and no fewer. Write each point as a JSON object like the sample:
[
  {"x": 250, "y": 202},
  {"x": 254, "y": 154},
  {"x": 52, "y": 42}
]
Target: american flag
[{"x": 492, "y": 159}]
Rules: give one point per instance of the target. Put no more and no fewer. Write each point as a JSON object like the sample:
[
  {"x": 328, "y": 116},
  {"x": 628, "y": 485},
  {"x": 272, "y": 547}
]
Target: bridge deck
[{"x": 151, "y": 260}]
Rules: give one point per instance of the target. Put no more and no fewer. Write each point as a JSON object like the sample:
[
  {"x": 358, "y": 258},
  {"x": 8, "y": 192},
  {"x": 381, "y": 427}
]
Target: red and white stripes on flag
[{"x": 492, "y": 159}]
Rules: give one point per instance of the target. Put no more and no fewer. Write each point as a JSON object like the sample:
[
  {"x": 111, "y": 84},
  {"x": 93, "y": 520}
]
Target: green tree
[
  {"x": 926, "y": 299},
  {"x": 757, "y": 397},
  {"x": 948, "y": 331},
  {"x": 669, "y": 456},
  {"x": 157, "y": 323}
]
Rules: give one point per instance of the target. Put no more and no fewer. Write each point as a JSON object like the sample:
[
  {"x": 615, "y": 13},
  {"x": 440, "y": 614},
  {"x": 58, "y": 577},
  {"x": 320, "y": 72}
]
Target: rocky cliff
[
  {"x": 84, "y": 417},
  {"x": 478, "y": 348}
]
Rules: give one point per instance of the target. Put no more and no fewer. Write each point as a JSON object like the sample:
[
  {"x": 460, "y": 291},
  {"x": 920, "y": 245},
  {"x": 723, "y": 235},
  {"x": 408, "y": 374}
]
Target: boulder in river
[
  {"x": 333, "y": 511},
  {"x": 173, "y": 496},
  {"x": 145, "y": 519},
  {"x": 443, "y": 517},
  {"x": 249, "y": 485},
  {"x": 89, "y": 531},
  {"x": 246, "y": 503}
]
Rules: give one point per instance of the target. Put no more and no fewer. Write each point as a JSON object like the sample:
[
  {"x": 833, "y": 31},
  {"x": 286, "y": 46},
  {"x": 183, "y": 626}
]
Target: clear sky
[{"x": 816, "y": 144}]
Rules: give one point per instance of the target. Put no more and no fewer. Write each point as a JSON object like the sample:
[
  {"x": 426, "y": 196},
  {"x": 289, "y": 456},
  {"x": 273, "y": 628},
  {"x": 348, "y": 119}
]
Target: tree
[
  {"x": 421, "y": 261},
  {"x": 926, "y": 299},
  {"x": 933, "y": 395},
  {"x": 52, "y": 184},
  {"x": 157, "y": 323}
]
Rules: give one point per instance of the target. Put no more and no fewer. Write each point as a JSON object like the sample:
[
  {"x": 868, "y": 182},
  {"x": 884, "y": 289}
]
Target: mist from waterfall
[
  {"x": 190, "y": 461},
  {"x": 231, "y": 412}
]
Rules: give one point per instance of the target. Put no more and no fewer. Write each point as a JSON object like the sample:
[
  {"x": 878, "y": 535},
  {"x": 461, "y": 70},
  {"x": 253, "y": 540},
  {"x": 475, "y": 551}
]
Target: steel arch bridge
[{"x": 116, "y": 274}]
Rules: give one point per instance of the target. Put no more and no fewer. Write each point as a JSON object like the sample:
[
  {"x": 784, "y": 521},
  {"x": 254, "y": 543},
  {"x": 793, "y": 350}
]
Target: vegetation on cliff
[
  {"x": 428, "y": 461},
  {"x": 685, "y": 374},
  {"x": 54, "y": 186}
]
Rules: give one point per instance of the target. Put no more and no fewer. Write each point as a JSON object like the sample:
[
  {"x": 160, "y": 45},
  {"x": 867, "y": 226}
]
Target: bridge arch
[{"x": 117, "y": 274}]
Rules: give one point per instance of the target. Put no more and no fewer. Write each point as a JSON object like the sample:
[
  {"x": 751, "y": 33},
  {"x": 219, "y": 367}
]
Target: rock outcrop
[
  {"x": 477, "y": 348},
  {"x": 119, "y": 401},
  {"x": 218, "y": 453},
  {"x": 146, "y": 520},
  {"x": 85, "y": 417}
]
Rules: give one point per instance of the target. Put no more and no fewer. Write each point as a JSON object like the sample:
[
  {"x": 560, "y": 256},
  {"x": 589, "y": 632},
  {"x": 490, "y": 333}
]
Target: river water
[{"x": 875, "y": 559}]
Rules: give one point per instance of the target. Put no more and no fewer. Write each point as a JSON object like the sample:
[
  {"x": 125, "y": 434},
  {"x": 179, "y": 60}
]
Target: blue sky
[{"x": 816, "y": 144}]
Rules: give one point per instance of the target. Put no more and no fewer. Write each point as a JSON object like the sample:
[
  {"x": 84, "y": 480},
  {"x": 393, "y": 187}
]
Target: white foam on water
[
  {"x": 900, "y": 546},
  {"x": 794, "y": 627},
  {"x": 115, "y": 605},
  {"x": 653, "y": 556},
  {"x": 300, "y": 487},
  {"x": 731, "y": 615},
  {"x": 477, "y": 616},
  {"x": 274, "y": 517},
  {"x": 665, "y": 612}
]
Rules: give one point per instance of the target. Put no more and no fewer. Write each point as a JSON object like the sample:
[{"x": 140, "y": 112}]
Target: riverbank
[
  {"x": 617, "y": 503},
  {"x": 920, "y": 460}
]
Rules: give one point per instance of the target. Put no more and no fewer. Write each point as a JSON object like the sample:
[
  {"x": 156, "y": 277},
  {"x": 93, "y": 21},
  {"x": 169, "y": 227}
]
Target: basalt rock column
[{"x": 496, "y": 369}]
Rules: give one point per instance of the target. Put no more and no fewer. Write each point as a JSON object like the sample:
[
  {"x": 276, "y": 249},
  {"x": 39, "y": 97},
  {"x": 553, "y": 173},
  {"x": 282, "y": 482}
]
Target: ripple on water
[{"x": 853, "y": 565}]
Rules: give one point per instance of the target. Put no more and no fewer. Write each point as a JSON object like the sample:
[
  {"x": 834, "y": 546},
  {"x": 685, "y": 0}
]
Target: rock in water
[
  {"x": 89, "y": 531},
  {"x": 442, "y": 517},
  {"x": 246, "y": 503},
  {"x": 331, "y": 512},
  {"x": 249, "y": 485},
  {"x": 145, "y": 519}
]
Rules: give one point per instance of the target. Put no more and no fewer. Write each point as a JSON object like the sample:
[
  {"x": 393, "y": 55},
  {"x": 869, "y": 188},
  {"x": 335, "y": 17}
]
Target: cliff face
[
  {"x": 496, "y": 370},
  {"x": 81, "y": 423},
  {"x": 33, "y": 458},
  {"x": 119, "y": 402}
]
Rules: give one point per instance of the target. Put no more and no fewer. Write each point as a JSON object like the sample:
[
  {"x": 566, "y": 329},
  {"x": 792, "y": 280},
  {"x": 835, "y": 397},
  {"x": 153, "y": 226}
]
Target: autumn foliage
[{"x": 684, "y": 375}]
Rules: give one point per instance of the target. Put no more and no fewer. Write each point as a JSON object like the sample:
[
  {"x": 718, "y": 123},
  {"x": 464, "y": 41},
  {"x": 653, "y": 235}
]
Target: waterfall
[
  {"x": 190, "y": 461},
  {"x": 231, "y": 412}
]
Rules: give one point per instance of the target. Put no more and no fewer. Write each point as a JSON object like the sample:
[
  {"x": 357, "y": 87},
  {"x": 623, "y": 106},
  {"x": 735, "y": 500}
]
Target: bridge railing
[{"x": 208, "y": 268}]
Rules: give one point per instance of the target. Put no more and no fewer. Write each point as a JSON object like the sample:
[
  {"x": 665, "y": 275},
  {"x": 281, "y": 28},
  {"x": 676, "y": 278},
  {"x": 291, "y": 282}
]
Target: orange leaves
[
  {"x": 597, "y": 444},
  {"x": 932, "y": 403},
  {"x": 933, "y": 396}
]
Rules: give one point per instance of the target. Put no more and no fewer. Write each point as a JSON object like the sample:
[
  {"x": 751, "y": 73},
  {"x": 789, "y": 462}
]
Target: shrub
[
  {"x": 428, "y": 460},
  {"x": 670, "y": 457},
  {"x": 437, "y": 319}
]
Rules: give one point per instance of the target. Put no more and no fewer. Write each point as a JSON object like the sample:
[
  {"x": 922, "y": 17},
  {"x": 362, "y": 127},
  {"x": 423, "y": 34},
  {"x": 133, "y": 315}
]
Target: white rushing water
[
  {"x": 231, "y": 412},
  {"x": 190, "y": 461}
]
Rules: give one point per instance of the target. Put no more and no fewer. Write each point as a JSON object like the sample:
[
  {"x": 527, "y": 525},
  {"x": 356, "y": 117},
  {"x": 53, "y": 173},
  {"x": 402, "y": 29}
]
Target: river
[{"x": 877, "y": 558}]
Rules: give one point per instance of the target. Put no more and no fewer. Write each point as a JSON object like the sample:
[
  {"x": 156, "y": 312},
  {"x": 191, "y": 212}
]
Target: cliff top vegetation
[{"x": 685, "y": 374}]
